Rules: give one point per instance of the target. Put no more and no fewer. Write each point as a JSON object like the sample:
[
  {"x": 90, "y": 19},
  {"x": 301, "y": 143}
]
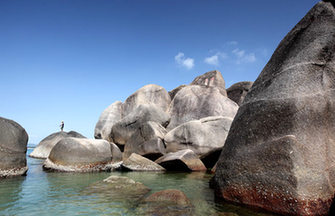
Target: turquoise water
[{"x": 42, "y": 193}]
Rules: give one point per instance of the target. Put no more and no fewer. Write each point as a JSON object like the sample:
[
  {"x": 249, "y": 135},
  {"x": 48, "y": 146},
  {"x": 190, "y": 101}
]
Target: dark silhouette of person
[{"x": 61, "y": 126}]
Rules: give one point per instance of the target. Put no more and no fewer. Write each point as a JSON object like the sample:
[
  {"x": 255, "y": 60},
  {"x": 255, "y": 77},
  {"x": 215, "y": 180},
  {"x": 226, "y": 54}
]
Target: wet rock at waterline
[
  {"x": 138, "y": 163},
  {"x": 13, "y": 148},
  {"x": 195, "y": 102},
  {"x": 43, "y": 149},
  {"x": 280, "y": 151},
  {"x": 213, "y": 79},
  {"x": 146, "y": 141},
  {"x": 126, "y": 127},
  {"x": 107, "y": 119},
  {"x": 80, "y": 155},
  {"x": 167, "y": 202},
  {"x": 203, "y": 136},
  {"x": 149, "y": 95},
  {"x": 238, "y": 91},
  {"x": 118, "y": 188},
  {"x": 183, "y": 160}
]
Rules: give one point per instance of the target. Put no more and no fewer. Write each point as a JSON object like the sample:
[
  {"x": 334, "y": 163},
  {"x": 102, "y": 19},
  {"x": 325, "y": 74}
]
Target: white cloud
[
  {"x": 215, "y": 59},
  {"x": 180, "y": 59},
  {"x": 243, "y": 57}
]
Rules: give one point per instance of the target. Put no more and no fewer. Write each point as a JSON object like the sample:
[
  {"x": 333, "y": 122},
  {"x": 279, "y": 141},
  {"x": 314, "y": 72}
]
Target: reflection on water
[{"x": 42, "y": 193}]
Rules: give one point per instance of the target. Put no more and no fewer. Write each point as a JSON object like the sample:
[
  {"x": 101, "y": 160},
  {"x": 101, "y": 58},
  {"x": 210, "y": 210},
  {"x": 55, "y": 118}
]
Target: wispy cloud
[
  {"x": 243, "y": 56},
  {"x": 180, "y": 59},
  {"x": 232, "y": 43},
  {"x": 215, "y": 59}
]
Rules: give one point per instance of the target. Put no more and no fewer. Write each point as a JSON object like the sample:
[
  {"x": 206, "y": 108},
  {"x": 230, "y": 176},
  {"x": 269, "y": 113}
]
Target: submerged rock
[
  {"x": 195, "y": 102},
  {"x": 238, "y": 91},
  {"x": 126, "y": 127},
  {"x": 80, "y": 155},
  {"x": 202, "y": 136},
  {"x": 107, "y": 119},
  {"x": 211, "y": 78},
  {"x": 149, "y": 95},
  {"x": 280, "y": 151},
  {"x": 138, "y": 163},
  {"x": 146, "y": 141},
  {"x": 183, "y": 160},
  {"x": 43, "y": 149},
  {"x": 13, "y": 148}
]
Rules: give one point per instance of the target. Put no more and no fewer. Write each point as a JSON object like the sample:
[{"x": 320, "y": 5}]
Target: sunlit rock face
[
  {"x": 13, "y": 148},
  {"x": 213, "y": 79},
  {"x": 280, "y": 151},
  {"x": 44, "y": 148}
]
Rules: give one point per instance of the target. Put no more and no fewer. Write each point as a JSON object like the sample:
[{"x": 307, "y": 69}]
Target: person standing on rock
[{"x": 61, "y": 126}]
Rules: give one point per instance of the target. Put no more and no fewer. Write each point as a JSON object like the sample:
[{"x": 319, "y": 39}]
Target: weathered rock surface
[
  {"x": 118, "y": 189},
  {"x": 211, "y": 78},
  {"x": 280, "y": 151},
  {"x": 195, "y": 102},
  {"x": 44, "y": 148},
  {"x": 138, "y": 163},
  {"x": 167, "y": 202},
  {"x": 201, "y": 136},
  {"x": 116, "y": 153},
  {"x": 147, "y": 141},
  {"x": 80, "y": 155},
  {"x": 238, "y": 91},
  {"x": 107, "y": 119},
  {"x": 183, "y": 160},
  {"x": 174, "y": 91},
  {"x": 149, "y": 95},
  {"x": 126, "y": 127},
  {"x": 13, "y": 148}
]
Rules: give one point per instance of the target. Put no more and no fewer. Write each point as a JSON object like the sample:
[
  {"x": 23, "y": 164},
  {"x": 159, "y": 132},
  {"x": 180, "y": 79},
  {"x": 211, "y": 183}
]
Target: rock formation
[
  {"x": 183, "y": 160},
  {"x": 280, "y": 151},
  {"x": 138, "y": 163},
  {"x": 107, "y": 119},
  {"x": 195, "y": 102},
  {"x": 238, "y": 91},
  {"x": 213, "y": 79},
  {"x": 44, "y": 148},
  {"x": 13, "y": 148},
  {"x": 80, "y": 155}
]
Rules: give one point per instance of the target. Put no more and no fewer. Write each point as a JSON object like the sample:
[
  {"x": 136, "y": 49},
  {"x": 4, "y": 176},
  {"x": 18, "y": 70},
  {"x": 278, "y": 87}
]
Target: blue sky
[{"x": 68, "y": 59}]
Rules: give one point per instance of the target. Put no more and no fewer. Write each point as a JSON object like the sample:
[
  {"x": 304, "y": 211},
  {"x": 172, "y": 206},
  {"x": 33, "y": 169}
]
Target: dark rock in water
[
  {"x": 195, "y": 102},
  {"x": 238, "y": 91},
  {"x": 167, "y": 202},
  {"x": 13, "y": 148},
  {"x": 44, "y": 148},
  {"x": 183, "y": 160},
  {"x": 211, "y": 158},
  {"x": 146, "y": 141},
  {"x": 280, "y": 151},
  {"x": 203, "y": 136},
  {"x": 149, "y": 95},
  {"x": 211, "y": 78},
  {"x": 107, "y": 119},
  {"x": 138, "y": 163},
  {"x": 118, "y": 189},
  {"x": 80, "y": 155},
  {"x": 173, "y": 92},
  {"x": 126, "y": 127}
]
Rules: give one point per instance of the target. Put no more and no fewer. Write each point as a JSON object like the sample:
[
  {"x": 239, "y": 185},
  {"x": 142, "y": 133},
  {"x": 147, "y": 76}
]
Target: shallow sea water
[{"x": 43, "y": 193}]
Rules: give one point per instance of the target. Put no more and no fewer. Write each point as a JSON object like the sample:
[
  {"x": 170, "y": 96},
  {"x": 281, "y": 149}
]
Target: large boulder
[
  {"x": 80, "y": 155},
  {"x": 149, "y": 94},
  {"x": 174, "y": 91},
  {"x": 13, "y": 148},
  {"x": 211, "y": 78},
  {"x": 107, "y": 119},
  {"x": 238, "y": 91},
  {"x": 280, "y": 151},
  {"x": 138, "y": 163},
  {"x": 195, "y": 102},
  {"x": 183, "y": 160},
  {"x": 126, "y": 127},
  {"x": 146, "y": 141},
  {"x": 204, "y": 137},
  {"x": 44, "y": 148}
]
